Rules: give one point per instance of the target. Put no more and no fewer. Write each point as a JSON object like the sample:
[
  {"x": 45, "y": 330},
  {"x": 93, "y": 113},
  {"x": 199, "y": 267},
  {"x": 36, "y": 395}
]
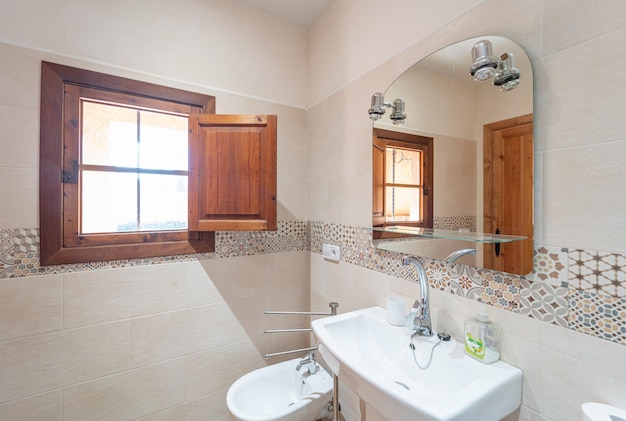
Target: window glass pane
[
  {"x": 403, "y": 204},
  {"x": 403, "y": 166},
  {"x": 109, "y": 135},
  {"x": 109, "y": 202},
  {"x": 163, "y": 202},
  {"x": 163, "y": 141}
]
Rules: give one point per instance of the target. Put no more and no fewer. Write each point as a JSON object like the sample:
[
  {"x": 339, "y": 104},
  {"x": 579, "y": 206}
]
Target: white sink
[{"x": 375, "y": 360}]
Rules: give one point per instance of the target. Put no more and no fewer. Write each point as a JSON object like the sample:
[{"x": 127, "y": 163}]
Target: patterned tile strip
[
  {"x": 598, "y": 315},
  {"x": 544, "y": 302},
  {"x": 598, "y": 272}
]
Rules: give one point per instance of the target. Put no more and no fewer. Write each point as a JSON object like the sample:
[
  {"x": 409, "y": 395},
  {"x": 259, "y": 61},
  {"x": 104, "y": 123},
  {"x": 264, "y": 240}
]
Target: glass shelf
[{"x": 405, "y": 232}]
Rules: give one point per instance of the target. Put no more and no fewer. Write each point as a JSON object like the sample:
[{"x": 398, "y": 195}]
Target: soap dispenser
[{"x": 482, "y": 337}]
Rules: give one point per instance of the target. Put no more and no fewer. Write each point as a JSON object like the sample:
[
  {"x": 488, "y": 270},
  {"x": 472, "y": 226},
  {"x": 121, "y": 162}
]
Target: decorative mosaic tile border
[
  {"x": 599, "y": 272},
  {"x": 550, "y": 265},
  {"x": 598, "y": 315},
  {"x": 454, "y": 223},
  {"x": 19, "y": 250},
  {"x": 466, "y": 282},
  {"x": 544, "y": 302}
]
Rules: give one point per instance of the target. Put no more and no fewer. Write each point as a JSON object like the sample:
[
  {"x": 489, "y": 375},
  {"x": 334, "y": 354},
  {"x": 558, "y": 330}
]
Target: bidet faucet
[
  {"x": 308, "y": 362},
  {"x": 419, "y": 317}
]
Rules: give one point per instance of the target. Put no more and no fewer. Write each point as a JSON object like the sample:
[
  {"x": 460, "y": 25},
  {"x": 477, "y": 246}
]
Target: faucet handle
[{"x": 308, "y": 362}]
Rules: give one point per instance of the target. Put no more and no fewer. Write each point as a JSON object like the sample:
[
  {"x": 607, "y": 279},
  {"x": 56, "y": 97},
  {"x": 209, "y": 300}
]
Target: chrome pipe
[
  {"x": 305, "y": 313},
  {"x": 287, "y": 330},
  {"x": 293, "y": 351},
  {"x": 335, "y": 398}
]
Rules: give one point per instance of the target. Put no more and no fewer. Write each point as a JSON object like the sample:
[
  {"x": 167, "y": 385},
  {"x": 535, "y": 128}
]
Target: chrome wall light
[
  {"x": 486, "y": 66},
  {"x": 507, "y": 76},
  {"x": 484, "y": 63},
  {"x": 398, "y": 115},
  {"x": 378, "y": 106}
]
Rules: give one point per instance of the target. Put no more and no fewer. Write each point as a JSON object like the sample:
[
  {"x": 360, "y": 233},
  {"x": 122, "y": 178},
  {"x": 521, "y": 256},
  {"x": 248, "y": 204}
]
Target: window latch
[{"x": 70, "y": 177}]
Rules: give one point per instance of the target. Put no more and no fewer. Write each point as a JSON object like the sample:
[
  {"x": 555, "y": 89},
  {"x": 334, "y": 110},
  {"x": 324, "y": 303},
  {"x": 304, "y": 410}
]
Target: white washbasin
[{"x": 375, "y": 360}]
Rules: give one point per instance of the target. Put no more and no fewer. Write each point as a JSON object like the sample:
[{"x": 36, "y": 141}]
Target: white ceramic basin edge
[{"x": 374, "y": 359}]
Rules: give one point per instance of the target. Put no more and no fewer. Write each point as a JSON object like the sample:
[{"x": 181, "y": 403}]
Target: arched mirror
[{"x": 459, "y": 167}]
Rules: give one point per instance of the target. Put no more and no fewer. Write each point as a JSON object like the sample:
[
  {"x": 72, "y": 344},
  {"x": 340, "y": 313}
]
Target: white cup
[{"x": 395, "y": 310}]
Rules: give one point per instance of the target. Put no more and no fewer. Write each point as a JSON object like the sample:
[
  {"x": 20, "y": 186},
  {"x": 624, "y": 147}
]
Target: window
[
  {"x": 130, "y": 169},
  {"x": 403, "y": 179},
  {"x": 114, "y": 168},
  {"x": 133, "y": 166}
]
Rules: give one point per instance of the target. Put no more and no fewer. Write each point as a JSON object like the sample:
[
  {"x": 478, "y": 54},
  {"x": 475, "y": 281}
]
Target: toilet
[
  {"x": 279, "y": 392},
  {"x": 601, "y": 412}
]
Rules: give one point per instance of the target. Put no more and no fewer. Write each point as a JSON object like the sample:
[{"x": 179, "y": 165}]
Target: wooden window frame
[
  {"x": 60, "y": 241},
  {"x": 383, "y": 138}
]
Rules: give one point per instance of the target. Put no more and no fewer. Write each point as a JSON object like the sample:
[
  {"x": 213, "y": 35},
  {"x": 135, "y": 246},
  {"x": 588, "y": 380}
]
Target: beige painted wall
[{"x": 217, "y": 43}]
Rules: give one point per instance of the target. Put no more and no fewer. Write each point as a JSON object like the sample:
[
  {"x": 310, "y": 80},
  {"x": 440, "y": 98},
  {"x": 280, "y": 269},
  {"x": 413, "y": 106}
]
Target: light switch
[{"x": 331, "y": 252}]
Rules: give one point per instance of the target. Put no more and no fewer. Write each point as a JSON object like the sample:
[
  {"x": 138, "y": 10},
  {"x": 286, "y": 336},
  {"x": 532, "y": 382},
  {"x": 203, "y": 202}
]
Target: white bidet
[{"x": 279, "y": 392}]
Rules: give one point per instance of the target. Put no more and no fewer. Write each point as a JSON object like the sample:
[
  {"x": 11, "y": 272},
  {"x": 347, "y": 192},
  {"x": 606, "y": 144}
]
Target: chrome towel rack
[{"x": 333, "y": 312}]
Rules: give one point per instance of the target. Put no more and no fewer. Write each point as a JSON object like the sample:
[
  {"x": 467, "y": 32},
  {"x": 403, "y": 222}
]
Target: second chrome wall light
[
  {"x": 377, "y": 109},
  {"x": 485, "y": 66}
]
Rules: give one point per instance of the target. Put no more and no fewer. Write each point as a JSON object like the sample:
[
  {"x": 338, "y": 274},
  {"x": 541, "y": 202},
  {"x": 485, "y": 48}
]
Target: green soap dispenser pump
[{"x": 482, "y": 337}]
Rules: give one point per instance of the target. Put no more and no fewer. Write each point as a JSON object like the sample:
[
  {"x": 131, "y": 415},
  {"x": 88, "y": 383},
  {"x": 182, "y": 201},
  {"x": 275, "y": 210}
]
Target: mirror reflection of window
[
  {"x": 402, "y": 179},
  {"x": 403, "y": 184}
]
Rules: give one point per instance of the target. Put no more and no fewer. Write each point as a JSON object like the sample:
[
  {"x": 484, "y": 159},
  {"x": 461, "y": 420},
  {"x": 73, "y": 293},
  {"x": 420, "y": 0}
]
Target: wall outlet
[{"x": 331, "y": 252}]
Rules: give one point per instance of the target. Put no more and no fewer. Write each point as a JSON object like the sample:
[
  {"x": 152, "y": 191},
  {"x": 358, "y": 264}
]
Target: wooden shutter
[
  {"x": 232, "y": 172},
  {"x": 378, "y": 182}
]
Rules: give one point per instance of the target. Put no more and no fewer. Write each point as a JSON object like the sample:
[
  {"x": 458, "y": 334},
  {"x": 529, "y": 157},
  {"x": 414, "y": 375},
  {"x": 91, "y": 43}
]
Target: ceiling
[{"x": 300, "y": 12}]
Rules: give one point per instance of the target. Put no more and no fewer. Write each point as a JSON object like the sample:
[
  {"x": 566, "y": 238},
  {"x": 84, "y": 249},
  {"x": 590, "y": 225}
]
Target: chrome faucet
[
  {"x": 454, "y": 256},
  {"x": 419, "y": 317},
  {"x": 308, "y": 362}
]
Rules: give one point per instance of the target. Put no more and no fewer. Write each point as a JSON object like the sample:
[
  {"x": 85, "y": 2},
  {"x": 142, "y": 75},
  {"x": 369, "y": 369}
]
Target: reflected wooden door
[{"x": 508, "y": 198}]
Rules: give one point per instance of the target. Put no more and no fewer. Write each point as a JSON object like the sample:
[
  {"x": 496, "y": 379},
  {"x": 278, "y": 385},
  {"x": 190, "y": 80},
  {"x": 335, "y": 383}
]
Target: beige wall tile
[
  {"x": 20, "y": 184},
  {"x": 161, "y": 337},
  {"x": 218, "y": 368},
  {"x": 589, "y": 368},
  {"x": 127, "y": 395},
  {"x": 599, "y": 18},
  {"x": 291, "y": 201},
  {"x": 317, "y": 201},
  {"x": 250, "y": 312},
  {"x": 19, "y": 135},
  {"x": 31, "y": 365},
  {"x": 289, "y": 270},
  {"x": 581, "y": 179},
  {"x": 46, "y": 406},
  {"x": 250, "y": 276},
  {"x": 200, "y": 289},
  {"x": 356, "y": 194},
  {"x": 30, "y": 305},
  {"x": 21, "y": 76},
  {"x": 245, "y": 278},
  {"x": 564, "y": 97},
  {"x": 95, "y": 351},
  {"x": 208, "y": 408},
  {"x": 44, "y": 362},
  {"x": 108, "y": 295}
]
